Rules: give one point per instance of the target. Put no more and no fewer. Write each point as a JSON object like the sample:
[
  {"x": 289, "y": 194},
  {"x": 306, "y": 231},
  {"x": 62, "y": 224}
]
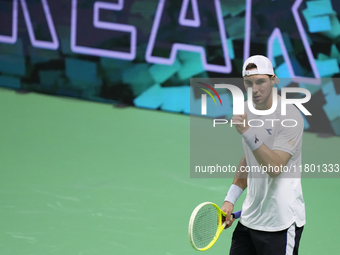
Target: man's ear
[{"x": 273, "y": 79}]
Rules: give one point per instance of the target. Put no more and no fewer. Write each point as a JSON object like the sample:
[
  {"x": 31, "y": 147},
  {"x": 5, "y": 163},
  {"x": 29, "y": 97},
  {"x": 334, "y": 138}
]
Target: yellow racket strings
[{"x": 205, "y": 226}]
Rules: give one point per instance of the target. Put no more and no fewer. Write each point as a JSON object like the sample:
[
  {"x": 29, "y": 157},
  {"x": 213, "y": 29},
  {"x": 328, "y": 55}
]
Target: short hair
[{"x": 253, "y": 66}]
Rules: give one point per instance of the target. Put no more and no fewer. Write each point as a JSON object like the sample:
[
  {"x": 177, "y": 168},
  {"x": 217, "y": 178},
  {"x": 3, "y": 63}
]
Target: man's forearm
[
  {"x": 241, "y": 177},
  {"x": 239, "y": 184},
  {"x": 266, "y": 157}
]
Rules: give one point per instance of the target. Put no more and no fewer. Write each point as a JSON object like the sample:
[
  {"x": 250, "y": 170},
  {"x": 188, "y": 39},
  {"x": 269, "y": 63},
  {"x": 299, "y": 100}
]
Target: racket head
[{"x": 205, "y": 226}]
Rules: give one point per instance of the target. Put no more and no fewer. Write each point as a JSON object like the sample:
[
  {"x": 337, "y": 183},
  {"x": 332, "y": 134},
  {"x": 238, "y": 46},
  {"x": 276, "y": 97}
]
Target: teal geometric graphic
[{"x": 102, "y": 76}]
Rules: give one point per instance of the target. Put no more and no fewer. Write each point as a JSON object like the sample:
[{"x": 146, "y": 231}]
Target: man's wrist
[
  {"x": 252, "y": 139},
  {"x": 233, "y": 194}
]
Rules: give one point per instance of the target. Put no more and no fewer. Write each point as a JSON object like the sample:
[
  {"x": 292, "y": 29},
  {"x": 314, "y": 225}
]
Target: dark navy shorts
[{"x": 248, "y": 241}]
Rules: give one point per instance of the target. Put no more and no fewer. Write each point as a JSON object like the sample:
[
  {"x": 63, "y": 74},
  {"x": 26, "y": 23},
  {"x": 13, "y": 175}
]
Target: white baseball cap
[{"x": 264, "y": 66}]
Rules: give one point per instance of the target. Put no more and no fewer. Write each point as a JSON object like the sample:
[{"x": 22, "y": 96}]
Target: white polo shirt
[{"x": 273, "y": 204}]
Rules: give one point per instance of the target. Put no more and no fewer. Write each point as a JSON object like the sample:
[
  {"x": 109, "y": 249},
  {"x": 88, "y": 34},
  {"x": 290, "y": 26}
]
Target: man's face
[{"x": 262, "y": 86}]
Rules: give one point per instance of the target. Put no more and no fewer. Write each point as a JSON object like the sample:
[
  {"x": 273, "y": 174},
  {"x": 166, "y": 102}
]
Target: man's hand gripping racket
[{"x": 206, "y": 224}]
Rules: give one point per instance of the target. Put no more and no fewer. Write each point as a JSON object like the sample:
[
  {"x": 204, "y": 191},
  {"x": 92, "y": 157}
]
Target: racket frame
[{"x": 219, "y": 230}]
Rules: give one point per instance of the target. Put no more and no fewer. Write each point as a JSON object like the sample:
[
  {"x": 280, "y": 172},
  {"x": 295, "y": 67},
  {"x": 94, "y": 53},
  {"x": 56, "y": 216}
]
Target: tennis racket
[{"x": 205, "y": 225}]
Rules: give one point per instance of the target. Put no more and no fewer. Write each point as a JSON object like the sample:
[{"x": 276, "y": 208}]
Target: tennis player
[{"x": 273, "y": 213}]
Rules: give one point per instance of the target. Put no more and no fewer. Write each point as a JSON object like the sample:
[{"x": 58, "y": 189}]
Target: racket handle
[{"x": 237, "y": 214}]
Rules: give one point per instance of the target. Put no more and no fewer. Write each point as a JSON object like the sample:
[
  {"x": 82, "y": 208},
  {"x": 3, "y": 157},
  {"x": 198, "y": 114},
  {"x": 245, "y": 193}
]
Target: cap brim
[{"x": 277, "y": 81}]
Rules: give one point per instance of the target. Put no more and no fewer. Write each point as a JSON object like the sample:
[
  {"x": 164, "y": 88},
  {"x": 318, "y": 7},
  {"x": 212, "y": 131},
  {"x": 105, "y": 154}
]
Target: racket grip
[{"x": 237, "y": 214}]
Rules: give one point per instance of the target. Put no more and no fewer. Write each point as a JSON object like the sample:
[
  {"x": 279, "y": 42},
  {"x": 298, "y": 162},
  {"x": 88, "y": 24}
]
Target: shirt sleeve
[{"x": 289, "y": 138}]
